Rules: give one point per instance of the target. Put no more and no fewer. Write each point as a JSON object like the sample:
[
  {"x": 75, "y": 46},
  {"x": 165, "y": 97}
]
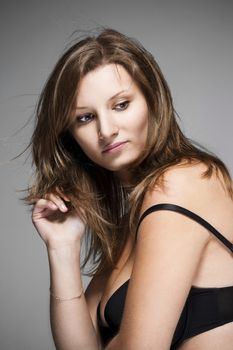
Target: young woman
[{"x": 113, "y": 165}]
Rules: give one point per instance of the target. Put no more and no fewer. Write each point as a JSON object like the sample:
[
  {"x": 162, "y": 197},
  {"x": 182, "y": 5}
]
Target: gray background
[{"x": 192, "y": 41}]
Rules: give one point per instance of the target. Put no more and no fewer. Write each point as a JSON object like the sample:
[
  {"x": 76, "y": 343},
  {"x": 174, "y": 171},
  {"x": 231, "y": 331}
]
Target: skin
[
  {"x": 168, "y": 246},
  {"x": 101, "y": 120}
]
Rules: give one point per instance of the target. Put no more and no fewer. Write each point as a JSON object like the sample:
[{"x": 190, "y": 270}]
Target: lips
[{"x": 112, "y": 146}]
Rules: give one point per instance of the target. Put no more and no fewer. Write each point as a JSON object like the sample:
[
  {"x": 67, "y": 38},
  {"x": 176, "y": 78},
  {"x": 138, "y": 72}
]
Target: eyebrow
[{"x": 110, "y": 99}]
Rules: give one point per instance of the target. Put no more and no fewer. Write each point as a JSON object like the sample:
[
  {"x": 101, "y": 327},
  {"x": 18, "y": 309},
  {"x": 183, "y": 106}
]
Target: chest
[{"x": 118, "y": 276}]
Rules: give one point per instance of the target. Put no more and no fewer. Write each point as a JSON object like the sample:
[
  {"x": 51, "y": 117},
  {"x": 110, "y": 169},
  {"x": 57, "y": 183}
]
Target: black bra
[{"x": 204, "y": 309}]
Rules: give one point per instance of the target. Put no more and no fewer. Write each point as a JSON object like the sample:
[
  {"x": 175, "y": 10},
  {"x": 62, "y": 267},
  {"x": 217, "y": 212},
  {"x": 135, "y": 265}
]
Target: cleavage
[{"x": 118, "y": 277}]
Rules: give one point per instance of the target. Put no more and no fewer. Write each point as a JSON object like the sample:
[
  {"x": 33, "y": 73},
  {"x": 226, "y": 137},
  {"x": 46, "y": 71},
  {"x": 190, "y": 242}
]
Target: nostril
[
  {"x": 107, "y": 132},
  {"x": 100, "y": 136}
]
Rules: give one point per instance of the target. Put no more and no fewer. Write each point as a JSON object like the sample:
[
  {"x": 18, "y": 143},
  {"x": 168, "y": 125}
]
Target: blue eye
[
  {"x": 85, "y": 118},
  {"x": 121, "y": 106}
]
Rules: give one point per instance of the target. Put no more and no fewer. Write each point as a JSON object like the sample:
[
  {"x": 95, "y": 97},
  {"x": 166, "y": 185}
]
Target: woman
[{"x": 113, "y": 165}]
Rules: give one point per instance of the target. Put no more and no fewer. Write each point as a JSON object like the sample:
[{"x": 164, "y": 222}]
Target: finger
[
  {"x": 62, "y": 195},
  {"x": 58, "y": 201},
  {"x": 42, "y": 205}
]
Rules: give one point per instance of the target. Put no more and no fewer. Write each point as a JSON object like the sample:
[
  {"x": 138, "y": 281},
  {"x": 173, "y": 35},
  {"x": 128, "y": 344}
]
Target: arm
[
  {"x": 71, "y": 323},
  {"x": 61, "y": 230},
  {"x": 167, "y": 257}
]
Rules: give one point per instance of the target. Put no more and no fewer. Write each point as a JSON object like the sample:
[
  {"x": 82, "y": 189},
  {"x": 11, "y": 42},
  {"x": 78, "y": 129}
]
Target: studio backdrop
[{"x": 192, "y": 42}]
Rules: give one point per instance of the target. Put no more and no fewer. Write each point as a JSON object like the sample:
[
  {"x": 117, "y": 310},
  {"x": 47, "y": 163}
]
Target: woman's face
[{"x": 110, "y": 122}]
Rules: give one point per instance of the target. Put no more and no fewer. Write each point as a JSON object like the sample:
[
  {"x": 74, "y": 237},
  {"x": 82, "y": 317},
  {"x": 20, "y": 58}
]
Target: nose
[{"x": 107, "y": 127}]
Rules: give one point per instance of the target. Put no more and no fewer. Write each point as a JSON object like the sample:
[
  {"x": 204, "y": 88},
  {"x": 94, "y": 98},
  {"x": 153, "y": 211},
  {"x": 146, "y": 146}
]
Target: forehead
[{"x": 104, "y": 81}]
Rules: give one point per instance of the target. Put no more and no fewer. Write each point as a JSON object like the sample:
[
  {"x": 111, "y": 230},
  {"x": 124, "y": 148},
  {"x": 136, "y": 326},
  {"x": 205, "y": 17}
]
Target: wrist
[
  {"x": 62, "y": 299},
  {"x": 64, "y": 249},
  {"x": 63, "y": 257},
  {"x": 65, "y": 272}
]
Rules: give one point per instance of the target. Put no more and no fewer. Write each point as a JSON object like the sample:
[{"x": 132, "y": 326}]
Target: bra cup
[
  {"x": 204, "y": 309},
  {"x": 113, "y": 311},
  {"x": 181, "y": 327}
]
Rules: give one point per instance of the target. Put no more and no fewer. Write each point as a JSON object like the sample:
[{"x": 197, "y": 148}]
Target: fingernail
[{"x": 63, "y": 206}]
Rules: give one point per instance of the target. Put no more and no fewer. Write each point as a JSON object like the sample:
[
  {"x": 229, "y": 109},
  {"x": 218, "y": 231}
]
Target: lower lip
[{"x": 116, "y": 149}]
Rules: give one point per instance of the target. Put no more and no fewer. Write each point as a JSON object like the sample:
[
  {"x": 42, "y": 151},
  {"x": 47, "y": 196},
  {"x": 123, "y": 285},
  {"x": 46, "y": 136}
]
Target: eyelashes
[
  {"x": 121, "y": 106},
  {"x": 87, "y": 117},
  {"x": 84, "y": 118}
]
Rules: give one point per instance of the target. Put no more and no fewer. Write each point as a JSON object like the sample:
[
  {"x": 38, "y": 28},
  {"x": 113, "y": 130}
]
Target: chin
[{"x": 121, "y": 168}]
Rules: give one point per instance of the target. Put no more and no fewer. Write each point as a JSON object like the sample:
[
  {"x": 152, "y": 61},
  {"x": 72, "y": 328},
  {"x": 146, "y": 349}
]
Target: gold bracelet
[{"x": 65, "y": 299}]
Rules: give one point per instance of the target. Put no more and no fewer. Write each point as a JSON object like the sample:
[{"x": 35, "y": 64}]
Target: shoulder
[{"x": 186, "y": 185}]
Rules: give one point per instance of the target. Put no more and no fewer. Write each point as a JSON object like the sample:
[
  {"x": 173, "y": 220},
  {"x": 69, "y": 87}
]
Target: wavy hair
[{"x": 61, "y": 167}]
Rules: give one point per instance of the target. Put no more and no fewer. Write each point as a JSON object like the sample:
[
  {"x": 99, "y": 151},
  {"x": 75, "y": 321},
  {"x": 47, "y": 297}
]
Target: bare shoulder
[{"x": 186, "y": 185}]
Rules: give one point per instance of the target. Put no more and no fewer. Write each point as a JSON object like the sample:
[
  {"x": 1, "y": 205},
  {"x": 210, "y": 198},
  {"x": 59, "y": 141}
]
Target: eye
[
  {"x": 121, "y": 106},
  {"x": 84, "y": 118}
]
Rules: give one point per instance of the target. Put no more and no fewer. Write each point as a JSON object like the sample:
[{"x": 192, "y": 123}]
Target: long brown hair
[{"x": 62, "y": 167}]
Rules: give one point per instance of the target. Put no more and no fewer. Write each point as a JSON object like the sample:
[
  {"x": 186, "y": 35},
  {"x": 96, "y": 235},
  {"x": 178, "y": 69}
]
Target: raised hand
[{"x": 56, "y": 224}]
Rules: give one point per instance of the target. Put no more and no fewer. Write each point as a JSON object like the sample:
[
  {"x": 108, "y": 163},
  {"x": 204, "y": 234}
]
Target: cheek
[
  {"x": 137, "y": 117},
  {"x": 142, "y": 113},
  {"x": 88, "y": 144},
  {"x": 142, "y": 123},
  {"x": 85, "y": 138}
]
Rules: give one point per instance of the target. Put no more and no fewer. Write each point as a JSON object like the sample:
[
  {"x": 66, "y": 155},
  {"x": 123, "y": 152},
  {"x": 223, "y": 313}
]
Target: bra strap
[{"x": 191, "y": 215}]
